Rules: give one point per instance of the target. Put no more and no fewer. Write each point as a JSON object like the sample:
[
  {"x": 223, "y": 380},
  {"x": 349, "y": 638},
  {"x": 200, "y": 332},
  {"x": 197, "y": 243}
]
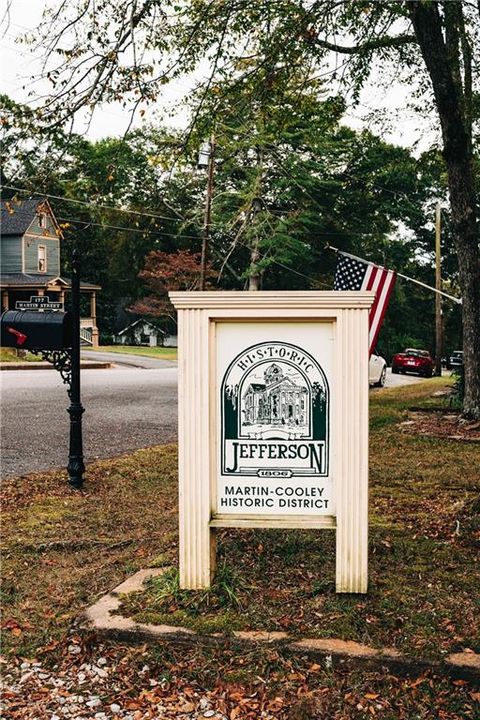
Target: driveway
[{"x": 399, "y": 380}]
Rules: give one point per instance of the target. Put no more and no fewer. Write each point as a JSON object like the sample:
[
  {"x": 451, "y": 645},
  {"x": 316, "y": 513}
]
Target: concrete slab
[
  {"x": 103, "y": 618},
  {"x": 260, "y": 636},
  {"x": 102, "y": 615},
  {"x": 332, "y": 646},
  {"x": 468, "y": 660}
]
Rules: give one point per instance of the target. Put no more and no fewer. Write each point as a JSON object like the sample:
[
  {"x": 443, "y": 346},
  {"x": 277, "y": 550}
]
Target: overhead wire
[
  {"x": 91, "y": 203},
  {"x": 279, "y": 162},
  {"x": 87, "y": 223},
  {"x": 115, "y": 227},
  {"x": 94, "y": 205},
  {"x": 263, "y": 256}
]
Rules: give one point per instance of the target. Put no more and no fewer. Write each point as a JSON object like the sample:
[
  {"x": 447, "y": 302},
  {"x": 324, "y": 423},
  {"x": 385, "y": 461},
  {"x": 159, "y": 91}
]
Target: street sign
[
  {"x": 273, "y": 422},
  {"x": 38, "y": 302}
]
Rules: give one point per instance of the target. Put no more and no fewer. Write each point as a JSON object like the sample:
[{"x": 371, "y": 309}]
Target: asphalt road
[{"x": 126, "y": 408}]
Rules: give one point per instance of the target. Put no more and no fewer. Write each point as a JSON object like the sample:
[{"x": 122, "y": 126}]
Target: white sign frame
[{"x": 199, "y": 314}]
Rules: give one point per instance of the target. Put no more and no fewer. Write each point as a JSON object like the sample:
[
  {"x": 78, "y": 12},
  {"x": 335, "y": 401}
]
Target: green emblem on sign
[{"x": 275, "y": 414}]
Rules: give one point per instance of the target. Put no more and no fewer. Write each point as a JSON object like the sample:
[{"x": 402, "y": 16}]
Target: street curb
[
  {"x": 47, "y": 366},
  {"x": 103, "y": 619}
]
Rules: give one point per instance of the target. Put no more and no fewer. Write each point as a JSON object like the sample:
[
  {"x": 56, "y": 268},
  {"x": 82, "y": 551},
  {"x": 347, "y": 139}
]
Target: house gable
[
  {"x": 142, "y": 325},
  {"x": 41, "y": 242},
  {"x": 43, "y": 223},
  {"x": 30, "y": 237},
  {"x": 283, "y": 383}
]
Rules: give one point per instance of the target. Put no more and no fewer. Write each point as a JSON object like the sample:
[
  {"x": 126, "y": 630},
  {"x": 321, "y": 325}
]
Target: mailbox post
[
  {"x": 76, "y": 466},
  {"x": 55, "y": 335}
]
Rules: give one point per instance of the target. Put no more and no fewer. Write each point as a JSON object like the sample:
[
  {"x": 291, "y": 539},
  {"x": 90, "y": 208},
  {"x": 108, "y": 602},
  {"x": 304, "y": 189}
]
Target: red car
[{"x": 413, "y": 361}]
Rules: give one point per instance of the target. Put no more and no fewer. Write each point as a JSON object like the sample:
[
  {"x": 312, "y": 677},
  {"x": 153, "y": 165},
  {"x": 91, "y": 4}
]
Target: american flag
[{"x": 356, "y": 274}]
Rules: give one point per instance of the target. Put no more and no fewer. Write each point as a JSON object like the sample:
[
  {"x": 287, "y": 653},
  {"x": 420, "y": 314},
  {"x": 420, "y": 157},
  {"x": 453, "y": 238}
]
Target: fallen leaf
[
  {"x": 186, "y": 707},
  {"x": 417, "y": 682}
]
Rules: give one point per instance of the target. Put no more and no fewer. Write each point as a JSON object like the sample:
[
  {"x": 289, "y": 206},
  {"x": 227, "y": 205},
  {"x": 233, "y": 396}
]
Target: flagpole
[{"x": 405, "y": 277}]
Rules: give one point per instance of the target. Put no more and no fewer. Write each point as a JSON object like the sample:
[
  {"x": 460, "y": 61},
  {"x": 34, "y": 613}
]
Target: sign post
[{"x": 273, "y": 421}]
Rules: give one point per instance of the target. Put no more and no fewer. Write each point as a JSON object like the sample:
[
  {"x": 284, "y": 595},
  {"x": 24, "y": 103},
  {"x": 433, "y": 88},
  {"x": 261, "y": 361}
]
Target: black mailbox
[{"x": 33, "y": 330}]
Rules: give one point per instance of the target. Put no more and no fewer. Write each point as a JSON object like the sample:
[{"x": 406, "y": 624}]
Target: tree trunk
[
  {"x": 459, "y": 160},
  {"x": 254, "y": 279}
]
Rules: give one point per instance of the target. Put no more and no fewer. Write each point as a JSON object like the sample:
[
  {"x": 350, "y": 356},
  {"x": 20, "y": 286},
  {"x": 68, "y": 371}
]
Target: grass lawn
[
  {"x": 424, "y": 591},
  {"x": 166, "y": 353},
  {"x": 63, "y": 549},
  {"x": 10, "y": 355}
]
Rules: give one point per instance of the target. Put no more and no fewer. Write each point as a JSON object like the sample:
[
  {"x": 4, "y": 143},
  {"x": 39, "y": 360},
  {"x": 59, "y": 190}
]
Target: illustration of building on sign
[
  {"x": 275, "y": 413},
  {"x": 281, "y": 399}
]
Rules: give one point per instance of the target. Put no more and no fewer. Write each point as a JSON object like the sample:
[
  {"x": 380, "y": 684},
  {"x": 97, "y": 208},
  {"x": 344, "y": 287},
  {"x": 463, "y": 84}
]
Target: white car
[{"x": 377, "y": 370}]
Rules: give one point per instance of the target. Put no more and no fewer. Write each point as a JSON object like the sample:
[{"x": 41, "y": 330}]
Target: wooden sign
[{"x": 273, "y": 421}]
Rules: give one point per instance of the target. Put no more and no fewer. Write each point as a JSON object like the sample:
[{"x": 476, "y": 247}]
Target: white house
[{"x": 141, "y": 332}]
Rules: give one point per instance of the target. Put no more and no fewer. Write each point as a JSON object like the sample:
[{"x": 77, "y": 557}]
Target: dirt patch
[{"x": 442, "y": 424}]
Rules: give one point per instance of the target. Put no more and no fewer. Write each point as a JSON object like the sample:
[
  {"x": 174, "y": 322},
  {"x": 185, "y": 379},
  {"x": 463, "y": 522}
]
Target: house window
[
  {"x": 42, "y": 258},
  {"x": 42, "y": 220}
]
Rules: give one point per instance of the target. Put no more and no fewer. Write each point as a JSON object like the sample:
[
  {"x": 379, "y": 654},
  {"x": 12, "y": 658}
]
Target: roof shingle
[{"x": 16, "y": 215}]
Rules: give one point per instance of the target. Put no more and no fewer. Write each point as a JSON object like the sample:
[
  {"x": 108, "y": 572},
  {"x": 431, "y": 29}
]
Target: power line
[
  {"x": 165, "y": 234},
  {"x": 115, "y": 227},
  {"x": 345, "y": 174},
  {"x": 150, "y": 215},
  {"x": 178, "y": 219},
  {"x": 285, "y": 267},
  {"x": 97, "y": 205},
  {"x": 127, "y": 229}
]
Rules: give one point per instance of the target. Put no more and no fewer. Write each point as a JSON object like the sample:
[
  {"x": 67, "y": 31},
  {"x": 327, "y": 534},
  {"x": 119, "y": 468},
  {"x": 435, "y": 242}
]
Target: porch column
[
  {"x": 41, "y": 292},
  {"x": 61, "y": 297},
  {"x": 4, "y": 300},
  {"x": 93, "y": 315}
]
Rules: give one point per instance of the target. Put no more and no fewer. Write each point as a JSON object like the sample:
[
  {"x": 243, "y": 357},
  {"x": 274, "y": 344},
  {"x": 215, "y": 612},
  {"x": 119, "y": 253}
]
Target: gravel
[{"x": 95, "y": 690}]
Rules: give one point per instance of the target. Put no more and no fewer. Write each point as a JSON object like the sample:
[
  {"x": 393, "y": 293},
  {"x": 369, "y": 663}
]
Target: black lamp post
[{"x": 75, "y": 467}]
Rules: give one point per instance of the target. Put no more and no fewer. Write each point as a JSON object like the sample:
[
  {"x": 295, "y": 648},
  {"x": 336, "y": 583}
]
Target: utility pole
[
  {"x": 438, "y": 297},
  {"x": 208, "y": 211}
]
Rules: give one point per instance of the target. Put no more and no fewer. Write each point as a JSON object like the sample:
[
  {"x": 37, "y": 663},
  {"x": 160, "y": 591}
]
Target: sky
[{"x": 394, "y": 121}]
